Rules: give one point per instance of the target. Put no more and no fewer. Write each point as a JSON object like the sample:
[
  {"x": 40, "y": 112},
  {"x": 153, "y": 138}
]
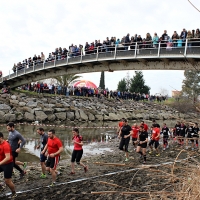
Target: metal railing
[{"x": 136, "y": 50}]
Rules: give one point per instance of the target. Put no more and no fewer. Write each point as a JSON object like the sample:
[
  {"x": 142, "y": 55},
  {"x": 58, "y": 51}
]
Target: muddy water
[{"x": 91, "y": 136}]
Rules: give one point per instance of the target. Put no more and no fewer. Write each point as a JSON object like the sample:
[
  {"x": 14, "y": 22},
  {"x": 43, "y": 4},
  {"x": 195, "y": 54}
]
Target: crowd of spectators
[
  {"x": 109, "y": 44},
  {"x": 41, "y": 87}
]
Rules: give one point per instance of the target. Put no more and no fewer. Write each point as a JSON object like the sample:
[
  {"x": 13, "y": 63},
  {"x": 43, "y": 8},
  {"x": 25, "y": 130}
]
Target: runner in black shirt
[
  {"x": 142, "y": 142},
  {"x": 177, "y": 129},
  {"x": 196, "y": 133},
  {"x": 182, "y": 132},
  {"x": 164, "y": 132},
  {"x": 125, "y": 138}
]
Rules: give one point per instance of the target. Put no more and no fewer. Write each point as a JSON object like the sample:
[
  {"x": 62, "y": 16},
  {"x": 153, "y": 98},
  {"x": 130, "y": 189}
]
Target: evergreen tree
[
  {"x": 122, "y": 85},
  {"x": 102, "y": 80},
  {"x": 191, "y": 84},
  {"x": 138, "y": 84}
]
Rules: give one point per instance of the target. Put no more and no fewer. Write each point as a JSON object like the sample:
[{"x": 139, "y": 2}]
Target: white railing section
[{"x": 136, "y": 50}]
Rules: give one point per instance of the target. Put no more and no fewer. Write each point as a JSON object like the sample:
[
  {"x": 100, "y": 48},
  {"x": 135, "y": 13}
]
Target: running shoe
[
  {"x": 126, "y": 160},
  {"x": 22, "y": 175},
  {"x": 86, "y": 169},
  {"x": 144, "y": 162},
  {"x": 157, "y": 154},
  {"x": 150, "y": 152},
  {"x": 14, "y": 195},
  {"x": 71, "y": 173},
  {"x": 25, "y": 165},
  {"x": 53, "y": 184},
  {"x": 163, "y": 149},
  {"x": 43, "y": 176}
]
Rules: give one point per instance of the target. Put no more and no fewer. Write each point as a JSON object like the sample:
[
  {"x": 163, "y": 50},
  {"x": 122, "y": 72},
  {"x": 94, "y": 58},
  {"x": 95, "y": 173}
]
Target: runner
[
  {"x": 190, "y": 133},
  {"x": 177, "y": 130},
  {"x": 78, "y": 151},
  {"x": 142, "y": 143},
  {"x": 13, "y": 138},
  {"x": 165, "y": 132},
  {"x": 182, "y": 133},
  {"x": 120, "y": 124},
  {"x": 6, "y": 164},
  {"x": 145, "y": 126},
  {"x": 54, "y": 148},
  {"x": 135, "y": 130},
  {"x": 125, "y": 138},
  {"x": 196, "y": 133},
  {"x": 43, "y": 142},
  {"x": 155, "y": 139}
]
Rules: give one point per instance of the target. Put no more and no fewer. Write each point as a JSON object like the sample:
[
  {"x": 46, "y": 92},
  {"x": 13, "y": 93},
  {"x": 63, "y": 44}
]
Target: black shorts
[
  {"x": 52, "y": 162},
  {"x": 42, "y": 158},
  {"x": 7, "y": 169},
  {"x": 156, "y": 143},
  {"x": 124, "y": 143},
  {"x": 76, "y": 156},
  {"x": 14, "y": 154},
  {"x": 182, "y": 135},
  {"x": 189, "y": 135},
  {"x": 143, "y": 145},
  {"x": 134, "y": 140}
]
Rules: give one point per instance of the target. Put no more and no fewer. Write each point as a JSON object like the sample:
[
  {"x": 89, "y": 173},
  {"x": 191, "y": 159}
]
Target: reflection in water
[{"x": 91, "y": 136}]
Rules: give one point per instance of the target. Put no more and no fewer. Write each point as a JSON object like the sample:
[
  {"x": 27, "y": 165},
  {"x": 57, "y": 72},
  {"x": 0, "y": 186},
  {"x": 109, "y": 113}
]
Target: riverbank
[
  {"x": 20, "y": 107},
  {"x": 111, "y": 180}
]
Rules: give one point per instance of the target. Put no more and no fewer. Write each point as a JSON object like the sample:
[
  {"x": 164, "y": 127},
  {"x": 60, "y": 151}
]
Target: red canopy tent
[{"x": 85, "y": 83}]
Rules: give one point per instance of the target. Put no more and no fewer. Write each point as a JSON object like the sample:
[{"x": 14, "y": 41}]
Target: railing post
[
  {"x": 67, "y": 57},
  {"x": 135, "y": 50},
  {"x": 55, "y": 61},
  {"x": 43, "y": 64},
  {"x": 81, "y": 55},
  {"x": 186, "y": 43},
  {"x": 33, "y": 66},
  {"x": 97, "y": 57},
  {"x": 159, "y": 49},
  {"x": 16, "y": 71},
  {"x": 115, "y": 54},
  {"x": 24, "y": 70}
]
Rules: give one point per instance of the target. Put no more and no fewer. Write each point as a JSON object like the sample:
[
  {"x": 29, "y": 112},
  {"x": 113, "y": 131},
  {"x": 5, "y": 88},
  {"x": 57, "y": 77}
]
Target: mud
[{"x": 133, "y": 176}]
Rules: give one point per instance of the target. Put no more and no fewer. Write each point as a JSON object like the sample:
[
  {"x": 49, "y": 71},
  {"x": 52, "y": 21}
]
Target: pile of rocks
[{"x": 22, "y": 108}]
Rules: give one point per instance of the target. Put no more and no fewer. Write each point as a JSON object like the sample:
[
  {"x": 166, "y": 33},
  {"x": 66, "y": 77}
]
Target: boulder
[
  {"x": 91, "y": 117},
  {"x": 19, "y": 116},
  {"x": 66, "y": 104},
  {"x": 32, "y": 104},
  {"x": 49, "y": 105},
  {"x": 61, "y": 115},
  {"x": 59, "y": 109},
  {"x": 51, "y": 117},
  {"x": 22, "y": 95},
  {"x": 14, "y": 101},
  {"x": 77, "y": 115},
  {"x": 4, "y": 107},
  {"x": 1, "y": 116},
  {"x": 29, "y": 117},
  {"x": 13, "y": 97},
  {"x": 9, "y": 117},
  {"x": 48, "y": 111},
  {"x": 40, "y": 116},
  {"x": 139, "y": 116},
  {"x": 70, "y": 115},
  {"x": 22, "y": 104},
  {"x": 27, "y": 109},
  {"x": 99, "y": 117},
  {"x": 5, "y": 95},
  {"x": 83, "y": 116}
]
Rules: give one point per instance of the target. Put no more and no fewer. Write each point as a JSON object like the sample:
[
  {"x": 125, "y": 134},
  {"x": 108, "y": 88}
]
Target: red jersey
[
  {"x": 135, "y": 130},
  {"x": 121, "y": 124},
  {"x": 53, "y": 145},
  {"x": 4, "y": 149},
  {"x": 79, "y": 140},
  {"x": 155, "y": 133},
  {"x": 145, "y": 127}
]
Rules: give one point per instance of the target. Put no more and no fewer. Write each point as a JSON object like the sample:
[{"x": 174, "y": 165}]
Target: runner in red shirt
[
  {"x": 155, "y": 139},
  {"x": 135, "y": 130},
  {"x": 120, "y": 125},
  {"x": 78, "y": 151},
  {"x": 145, "y": 126},
  {"x": 6, "y": 164},
  {"x": 54, "y": 147}
]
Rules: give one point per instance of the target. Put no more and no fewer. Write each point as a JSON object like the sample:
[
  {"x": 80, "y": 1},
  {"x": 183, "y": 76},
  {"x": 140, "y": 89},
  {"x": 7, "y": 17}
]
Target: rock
[
  {"x": 60, "y": 109},
  {"x": 37, "y": 109},
  {"x": 32, "y": 104},
  {"x": 13, "y": 97},
  {"x": 83, "y": 116},
  {"x": 4, "y": 107},
  {"x": 66, "y": 104},
  {"x": 29, "y": 117},
  {"x": 48, "y": 111},
  {"x": 1, "y": 116},
  {"x": 99, "y": 117},
  {"x": 5, "y": 95},
  {"x": 61, "y": 115},
  {"x": 21, "y": 103},
  {"x": 70, "y": 115},
  {"x": 51, "y": 117},
  {"x": 49, "y": 105},
  {"x": 40, "y": 116},
  {"x": 9, "y": 117},
  {"x": 77, "y": 115},
  {"x": 22, "y": 95},
  {"x": 91, "y": 117},
  {"x": 139, "y": 116},
  {"x": 27, "y": 109},
  {"x": 14, "y": 101},
  {"x": 19, "y": 116}
]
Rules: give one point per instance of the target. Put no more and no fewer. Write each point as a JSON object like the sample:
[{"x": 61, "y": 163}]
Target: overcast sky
[{"x": 35, "y": 26}]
